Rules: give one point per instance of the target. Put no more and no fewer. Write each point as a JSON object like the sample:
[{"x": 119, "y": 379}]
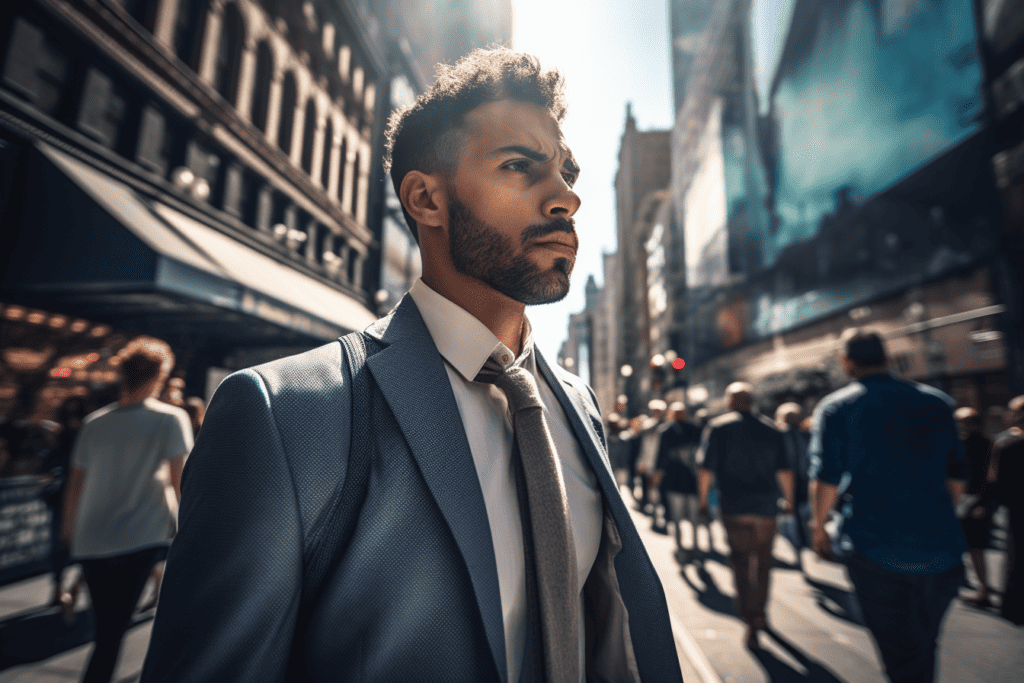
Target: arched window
[
  {"x": 189, "y": 29},
  {"x": 229, "y": 54},
  {"x": 342, "y": 166},
  {"x": 308, "y": 132},
  {"x": 325, "y": 166},
  {"x": 142, "y": 11},
  {"x": 287, "y": 120},
  {"x": 261, "y": 89},
  {"x": 355, "y": 186}
]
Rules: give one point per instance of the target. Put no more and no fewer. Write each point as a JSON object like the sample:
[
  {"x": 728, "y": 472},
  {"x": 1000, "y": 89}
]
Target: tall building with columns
[{"x": 208, "y": 171}]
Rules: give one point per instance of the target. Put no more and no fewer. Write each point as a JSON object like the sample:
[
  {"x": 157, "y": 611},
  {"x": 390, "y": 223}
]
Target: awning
[{"x": 201, "y": 262}]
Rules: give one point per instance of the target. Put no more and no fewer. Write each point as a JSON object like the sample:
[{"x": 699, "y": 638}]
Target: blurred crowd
[{"x": 928, "y": 478}]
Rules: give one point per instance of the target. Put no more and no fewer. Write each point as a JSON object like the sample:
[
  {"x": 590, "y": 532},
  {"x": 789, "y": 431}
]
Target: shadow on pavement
[
  {"x": 779, "y": 671},
  {"x": 709, "y": 596},
  {"x": 837, "y": 601},
  {"x": 43, "y": 633}
]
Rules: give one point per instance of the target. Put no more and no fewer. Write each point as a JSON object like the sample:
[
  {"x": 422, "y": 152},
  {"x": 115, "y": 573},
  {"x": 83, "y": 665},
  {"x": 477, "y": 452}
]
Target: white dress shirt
[{"x": 465, "y": 343}]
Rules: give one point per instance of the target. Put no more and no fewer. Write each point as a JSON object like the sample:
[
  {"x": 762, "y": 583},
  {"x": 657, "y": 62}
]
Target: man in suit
[{"x": 440, "y": 577}]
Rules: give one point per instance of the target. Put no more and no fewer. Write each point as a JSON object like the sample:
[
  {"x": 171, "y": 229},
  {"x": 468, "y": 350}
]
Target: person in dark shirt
[
  {"x": 901, "y": 446},
  {"x": 744, "y": 452},
  {"x": 976, "y": 518},
  {"x": 676, "y": 453},
  {"x": 788, "y": 418},
  {"x": 1007, "y": 473}
]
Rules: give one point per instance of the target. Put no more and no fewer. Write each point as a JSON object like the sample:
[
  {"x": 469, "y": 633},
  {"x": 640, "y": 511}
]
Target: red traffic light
[{"x": 678, "y": 364}]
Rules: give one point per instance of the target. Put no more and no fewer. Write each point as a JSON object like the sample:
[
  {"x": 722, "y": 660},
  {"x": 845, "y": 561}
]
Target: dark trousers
[
  {"x": 904, "y": 614},
  {"x": 751, "y": 538},
  {"x": 1013, "y": 596},
  {"x": 115, "y": 584}
]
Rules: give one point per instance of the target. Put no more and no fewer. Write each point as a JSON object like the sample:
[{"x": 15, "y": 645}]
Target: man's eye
[{"x": 520, "y": 165}]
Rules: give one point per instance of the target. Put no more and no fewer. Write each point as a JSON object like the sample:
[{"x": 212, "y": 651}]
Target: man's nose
[{"x": 563, "y": 203}]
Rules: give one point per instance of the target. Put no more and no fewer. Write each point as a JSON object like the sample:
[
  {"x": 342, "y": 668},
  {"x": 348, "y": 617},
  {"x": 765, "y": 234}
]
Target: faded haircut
[{"x": 430, "y": 135}]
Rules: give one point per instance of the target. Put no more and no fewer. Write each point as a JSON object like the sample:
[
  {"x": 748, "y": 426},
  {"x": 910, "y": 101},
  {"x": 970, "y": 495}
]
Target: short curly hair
[{"x": 428, "y": 136}]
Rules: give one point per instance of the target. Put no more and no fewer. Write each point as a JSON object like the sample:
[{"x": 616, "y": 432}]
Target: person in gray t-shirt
[{"x": 117, "y": 520}]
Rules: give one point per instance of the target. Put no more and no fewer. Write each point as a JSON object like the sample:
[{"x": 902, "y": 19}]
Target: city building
[
  {"x": 806, "y": 209},
  {"x": 644, "y": 171}
]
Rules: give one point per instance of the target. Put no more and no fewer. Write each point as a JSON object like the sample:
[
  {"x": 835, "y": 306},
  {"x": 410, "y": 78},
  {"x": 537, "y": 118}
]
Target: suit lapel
[{"x": 411, "y": 375}]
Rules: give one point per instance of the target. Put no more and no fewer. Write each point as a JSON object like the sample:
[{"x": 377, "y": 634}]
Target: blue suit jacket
[{"x": 415, "y": 597}]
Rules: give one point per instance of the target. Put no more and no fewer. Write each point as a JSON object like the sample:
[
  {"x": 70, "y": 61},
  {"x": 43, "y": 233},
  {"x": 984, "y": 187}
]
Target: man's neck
[{"x": 503, "y": 316}]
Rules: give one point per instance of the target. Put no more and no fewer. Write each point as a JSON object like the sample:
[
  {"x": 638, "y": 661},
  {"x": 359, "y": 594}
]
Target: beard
[{"x": 481, "y": 252}]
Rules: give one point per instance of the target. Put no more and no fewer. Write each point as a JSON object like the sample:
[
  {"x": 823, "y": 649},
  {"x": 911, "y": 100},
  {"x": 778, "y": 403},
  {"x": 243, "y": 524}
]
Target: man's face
[{"x": 510, "y": 203}]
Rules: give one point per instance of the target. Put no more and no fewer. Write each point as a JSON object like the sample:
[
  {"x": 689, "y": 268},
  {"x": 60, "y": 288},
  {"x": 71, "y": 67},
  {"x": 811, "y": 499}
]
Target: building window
[
  {"x": 353, "y": 267},
  {"x": 355, "y": 186},
  {"x": 142, "y": 11},
  {"x": 34, "y": 70},
  {"x": 344, "y": 62},
  {"x": 308, "y": 133},
  {"x": 103, "y": 108},
  {"x": 229, "y": 54},
  {"x": 287, "y": 119},
  {"x": 189, "y": 29},
  {"x": 261, "y": 91},
  {"x": 325, "y": 166},
  {"x": 153, "y": 151},
  {"x": 342, "y": 167}
]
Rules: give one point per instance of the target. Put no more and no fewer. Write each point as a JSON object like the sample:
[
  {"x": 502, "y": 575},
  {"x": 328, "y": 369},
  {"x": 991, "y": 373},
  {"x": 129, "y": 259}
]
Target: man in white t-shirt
[{"x": 117, "y": 518}]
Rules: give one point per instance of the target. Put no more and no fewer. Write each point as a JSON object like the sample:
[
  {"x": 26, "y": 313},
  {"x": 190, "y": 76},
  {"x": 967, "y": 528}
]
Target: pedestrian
[
  {"x": 976, "y": 507},
  {"x": 789, "y": 420},
  {"x": 1007, "y": 477},
  {"x": 677, "y": 462},
  {"x": 632, "y": 438},
  {"x": 478, "y": 519},
  {"x": 70, "y": 415},
  {"x": 900, "y": 445},
  {"x": 116, "y": 518},
  {"x": 744, "y": 453},
  {"x": 648, "y": 439},
  {"x": 196, "y": 409},
  {"x": 618, "y": 447}
]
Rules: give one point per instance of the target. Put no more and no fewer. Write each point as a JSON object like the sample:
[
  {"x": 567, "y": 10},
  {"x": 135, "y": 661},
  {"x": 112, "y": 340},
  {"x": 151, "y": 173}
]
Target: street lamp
[{"x": 626, "y": 370}]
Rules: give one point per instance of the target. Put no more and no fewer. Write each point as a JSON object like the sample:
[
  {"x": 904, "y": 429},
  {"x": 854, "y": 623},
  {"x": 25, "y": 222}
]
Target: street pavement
[{"x": 818, "y": 635}]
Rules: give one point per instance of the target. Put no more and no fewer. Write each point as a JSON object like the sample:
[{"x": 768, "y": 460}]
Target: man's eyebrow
[
  {"x": 571, "y": 166},
  {"x": 528, "y": 152}
]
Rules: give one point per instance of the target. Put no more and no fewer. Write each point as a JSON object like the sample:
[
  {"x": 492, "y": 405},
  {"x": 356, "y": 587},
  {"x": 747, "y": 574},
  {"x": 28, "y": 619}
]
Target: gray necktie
[{"x": 553, "y": 597}]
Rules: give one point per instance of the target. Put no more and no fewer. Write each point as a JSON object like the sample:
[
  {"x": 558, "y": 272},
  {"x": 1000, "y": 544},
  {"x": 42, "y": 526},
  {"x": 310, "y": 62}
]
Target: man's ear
[{"x": 424, "y": 198}]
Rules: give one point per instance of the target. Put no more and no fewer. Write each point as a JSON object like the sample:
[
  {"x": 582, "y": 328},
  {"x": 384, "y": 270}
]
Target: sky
[{"x": 611, "y": 52}]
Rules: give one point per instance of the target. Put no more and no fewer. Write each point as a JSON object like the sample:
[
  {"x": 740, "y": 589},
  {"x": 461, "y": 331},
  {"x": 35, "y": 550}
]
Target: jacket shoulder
[{"x": 723, "y": 420}]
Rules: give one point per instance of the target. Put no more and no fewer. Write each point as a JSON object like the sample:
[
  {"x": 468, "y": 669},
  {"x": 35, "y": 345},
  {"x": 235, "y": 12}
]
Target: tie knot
[{"x": 520, "y": 388}]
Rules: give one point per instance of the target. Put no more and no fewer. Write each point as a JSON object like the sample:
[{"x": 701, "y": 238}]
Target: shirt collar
[{"x": 462, "y": 340}]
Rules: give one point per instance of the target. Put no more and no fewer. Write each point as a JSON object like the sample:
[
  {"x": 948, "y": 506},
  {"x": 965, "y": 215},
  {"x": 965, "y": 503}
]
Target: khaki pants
[{"x": 751, "y": 538}]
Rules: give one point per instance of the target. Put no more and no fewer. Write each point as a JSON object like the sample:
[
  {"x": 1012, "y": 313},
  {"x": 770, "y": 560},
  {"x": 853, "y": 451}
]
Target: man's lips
[{"x": 559, "y": 246}]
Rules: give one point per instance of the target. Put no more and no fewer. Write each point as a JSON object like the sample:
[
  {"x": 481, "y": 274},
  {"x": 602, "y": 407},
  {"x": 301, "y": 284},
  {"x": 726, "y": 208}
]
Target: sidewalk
[
  {"x": 821, "y": 638},
  {"x": 31, "y": 631}
]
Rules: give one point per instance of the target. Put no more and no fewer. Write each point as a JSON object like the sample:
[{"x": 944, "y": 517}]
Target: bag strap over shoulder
[
  {"x": 330, "y": 534},
  {"x": 329, "y": 538}
]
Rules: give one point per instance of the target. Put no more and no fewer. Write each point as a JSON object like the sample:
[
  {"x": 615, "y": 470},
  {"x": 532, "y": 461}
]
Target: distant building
[
  {"x": 644, "y": 170},
  {"x": 805, "y": 209}
]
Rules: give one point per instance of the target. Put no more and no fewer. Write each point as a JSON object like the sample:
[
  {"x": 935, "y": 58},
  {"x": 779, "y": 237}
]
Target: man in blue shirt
[{"x": 899, "y": 442}]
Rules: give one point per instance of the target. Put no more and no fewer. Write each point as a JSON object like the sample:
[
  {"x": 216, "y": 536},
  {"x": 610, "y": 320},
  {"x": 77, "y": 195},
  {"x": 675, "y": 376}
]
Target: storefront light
[
  {"x": 92, "y": 357},
  {"x": 100, "y": 331},
  {"x": 79, "y": 326},
  {"x": 35, "y": 317},
  {"x": 57, "y": 321},
  {"x": 14, "y": 313},
  {"x": 626, "y": 370}
]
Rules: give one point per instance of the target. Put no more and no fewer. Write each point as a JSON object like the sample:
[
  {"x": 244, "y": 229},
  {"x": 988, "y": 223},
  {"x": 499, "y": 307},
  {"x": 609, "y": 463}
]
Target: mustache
[{"x": 538, "y": 230}]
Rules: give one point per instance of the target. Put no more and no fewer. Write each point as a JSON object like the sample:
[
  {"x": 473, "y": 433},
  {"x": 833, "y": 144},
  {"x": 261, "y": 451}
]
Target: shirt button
[{"x": 504, "y": 358}]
